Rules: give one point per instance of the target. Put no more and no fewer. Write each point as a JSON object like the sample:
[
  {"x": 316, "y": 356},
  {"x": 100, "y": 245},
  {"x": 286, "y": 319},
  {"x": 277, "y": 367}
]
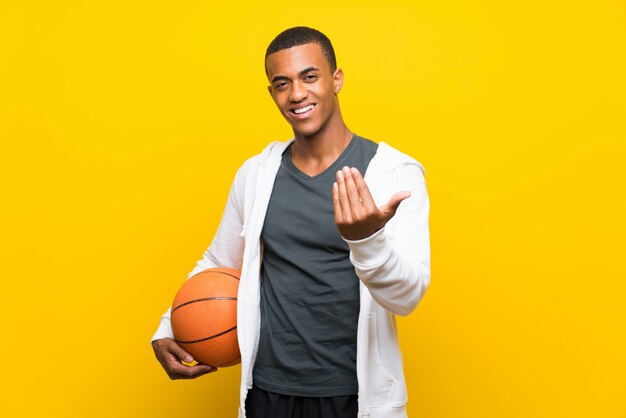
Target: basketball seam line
[
  {"x": 208, "y": 338},
  {"x": 202, "y": 300}
]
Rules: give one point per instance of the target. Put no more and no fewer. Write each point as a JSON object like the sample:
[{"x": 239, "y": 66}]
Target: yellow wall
[{"x": 123, "y": 123}]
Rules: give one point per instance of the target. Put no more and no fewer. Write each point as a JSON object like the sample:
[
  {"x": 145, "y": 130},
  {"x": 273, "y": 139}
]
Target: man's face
[{"x": 303, "y": 87}]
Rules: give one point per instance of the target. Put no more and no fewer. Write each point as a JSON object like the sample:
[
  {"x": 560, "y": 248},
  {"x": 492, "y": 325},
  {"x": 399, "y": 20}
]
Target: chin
[
  {"x": 308, "y": 129},
  {"x": 305, "y": 132}
]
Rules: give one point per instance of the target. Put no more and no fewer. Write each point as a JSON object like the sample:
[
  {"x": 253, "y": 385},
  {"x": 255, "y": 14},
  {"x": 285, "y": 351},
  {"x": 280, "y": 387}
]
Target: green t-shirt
[{"x": 309, "y": 289}]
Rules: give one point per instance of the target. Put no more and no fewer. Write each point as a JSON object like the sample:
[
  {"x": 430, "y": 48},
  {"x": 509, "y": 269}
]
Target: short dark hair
[{"x": 301, "y": 35}]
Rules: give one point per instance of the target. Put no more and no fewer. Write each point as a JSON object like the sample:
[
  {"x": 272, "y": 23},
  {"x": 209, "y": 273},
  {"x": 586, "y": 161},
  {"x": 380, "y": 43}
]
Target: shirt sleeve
[
  {"x": 394, "y": 262},
  {"x": 226, "y": 249}
]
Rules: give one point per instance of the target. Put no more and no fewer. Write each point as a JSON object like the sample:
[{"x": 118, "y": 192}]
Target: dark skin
[
  {"x": 170, "y": 355},
  {"x": 301, "y": 79},
  {"x": 301, "y": 76}
]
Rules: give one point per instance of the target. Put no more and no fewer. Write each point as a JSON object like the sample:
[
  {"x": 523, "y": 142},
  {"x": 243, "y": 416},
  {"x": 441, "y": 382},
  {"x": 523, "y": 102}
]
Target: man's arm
[
  {"x": 226, "y": 250},
  {"x": 396, "y": 271}
]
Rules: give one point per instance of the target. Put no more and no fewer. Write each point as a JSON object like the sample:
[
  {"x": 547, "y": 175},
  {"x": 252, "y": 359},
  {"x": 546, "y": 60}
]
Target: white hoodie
[{"x": 393, "y": 265}]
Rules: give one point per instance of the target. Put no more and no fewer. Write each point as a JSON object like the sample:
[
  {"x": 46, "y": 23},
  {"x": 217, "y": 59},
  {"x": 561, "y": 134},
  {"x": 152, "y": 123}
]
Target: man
[{"x": 328, "y": 257}]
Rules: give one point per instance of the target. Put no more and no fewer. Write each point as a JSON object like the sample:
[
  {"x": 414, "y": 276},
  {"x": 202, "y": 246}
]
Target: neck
[{"x": 325, "y": 145}]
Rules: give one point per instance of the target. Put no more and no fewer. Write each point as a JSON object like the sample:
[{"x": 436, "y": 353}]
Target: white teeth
[{"x": 304, "y": 109}]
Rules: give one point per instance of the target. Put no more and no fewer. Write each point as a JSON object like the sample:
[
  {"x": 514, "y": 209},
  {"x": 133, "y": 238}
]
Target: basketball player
[{"x": 330, "y": 230}]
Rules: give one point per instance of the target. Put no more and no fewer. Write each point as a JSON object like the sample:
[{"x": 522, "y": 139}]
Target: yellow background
[{"x": 123, "y": 123}]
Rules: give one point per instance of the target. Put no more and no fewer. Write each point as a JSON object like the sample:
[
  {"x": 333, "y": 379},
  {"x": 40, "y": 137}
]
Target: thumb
[
  {"x": 179, "y": 353},
  {"x": 390, "y": 208}
]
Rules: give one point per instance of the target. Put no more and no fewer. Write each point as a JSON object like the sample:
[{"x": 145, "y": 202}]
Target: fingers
[
  {"x": 185, "y": 372},
  {"x": 180, "y": 354},
  {"x": 336, "y": 205},
  {"x": 170, "y": 355},
  {"x": 356, "y": 204},
  {"x": 356, "y": 214},
  {"x": 390, "y": 208},
  {"x": 176, "y": 370},
  {"x": 353, "y": 194},
  {"x": 344, "y": 202},
  {"x": 363, "y": 190}
]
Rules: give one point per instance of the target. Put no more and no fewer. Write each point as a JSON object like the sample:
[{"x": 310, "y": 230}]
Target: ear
[
  {"x": 338, "y": 79},
  {"x": 269, "y": 89}
]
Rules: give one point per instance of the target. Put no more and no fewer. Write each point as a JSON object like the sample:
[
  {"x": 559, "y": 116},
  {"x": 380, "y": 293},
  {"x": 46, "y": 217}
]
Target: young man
[{"x": 328, "y": 257}]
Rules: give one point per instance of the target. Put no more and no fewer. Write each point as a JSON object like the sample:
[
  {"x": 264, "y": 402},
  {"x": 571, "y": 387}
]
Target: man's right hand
[{"x": 170, "y": 355}]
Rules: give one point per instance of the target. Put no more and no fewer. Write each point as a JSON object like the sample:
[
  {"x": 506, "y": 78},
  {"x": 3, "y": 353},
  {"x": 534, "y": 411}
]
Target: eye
[
  {"x": 310, "y": 77},
  {"x": 280, "y": 85}
]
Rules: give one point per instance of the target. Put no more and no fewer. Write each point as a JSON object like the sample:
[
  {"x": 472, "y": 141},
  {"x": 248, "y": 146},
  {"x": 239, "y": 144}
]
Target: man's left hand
[{"x": 356, "y": 213}]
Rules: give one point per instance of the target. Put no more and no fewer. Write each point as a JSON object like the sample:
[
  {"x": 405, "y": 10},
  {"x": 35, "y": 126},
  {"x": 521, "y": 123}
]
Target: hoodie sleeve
[
  {"x": 394, "y": 262},
  {"x": 226, "y": 249}
]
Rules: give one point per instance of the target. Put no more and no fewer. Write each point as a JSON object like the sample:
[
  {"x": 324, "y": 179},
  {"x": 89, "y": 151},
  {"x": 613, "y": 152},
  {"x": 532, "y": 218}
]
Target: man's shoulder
[
  {"x": 271, "y": 153},
  {"x": 390, "y": 158}
]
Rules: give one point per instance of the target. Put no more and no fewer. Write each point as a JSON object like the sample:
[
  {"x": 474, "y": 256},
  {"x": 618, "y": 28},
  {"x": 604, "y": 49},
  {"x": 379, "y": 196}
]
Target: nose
[{"x": 298, "y": 92}]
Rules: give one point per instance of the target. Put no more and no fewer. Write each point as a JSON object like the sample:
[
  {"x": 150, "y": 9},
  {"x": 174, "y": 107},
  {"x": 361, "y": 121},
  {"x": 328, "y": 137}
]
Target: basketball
[{"x": 204, "y": 317}]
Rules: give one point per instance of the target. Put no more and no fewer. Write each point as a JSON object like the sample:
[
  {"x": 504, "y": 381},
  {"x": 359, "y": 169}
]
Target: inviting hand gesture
[{"x": 356, "y": 214}]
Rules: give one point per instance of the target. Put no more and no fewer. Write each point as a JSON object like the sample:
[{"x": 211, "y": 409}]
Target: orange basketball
[{"x": 204, "y": 317}]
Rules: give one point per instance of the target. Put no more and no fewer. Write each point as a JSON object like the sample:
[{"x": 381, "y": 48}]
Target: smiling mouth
[{"x": 302, "y": 110}]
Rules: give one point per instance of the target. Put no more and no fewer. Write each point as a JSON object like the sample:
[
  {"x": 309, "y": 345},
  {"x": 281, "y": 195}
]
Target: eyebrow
[{"x": 301, "y": 73}]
